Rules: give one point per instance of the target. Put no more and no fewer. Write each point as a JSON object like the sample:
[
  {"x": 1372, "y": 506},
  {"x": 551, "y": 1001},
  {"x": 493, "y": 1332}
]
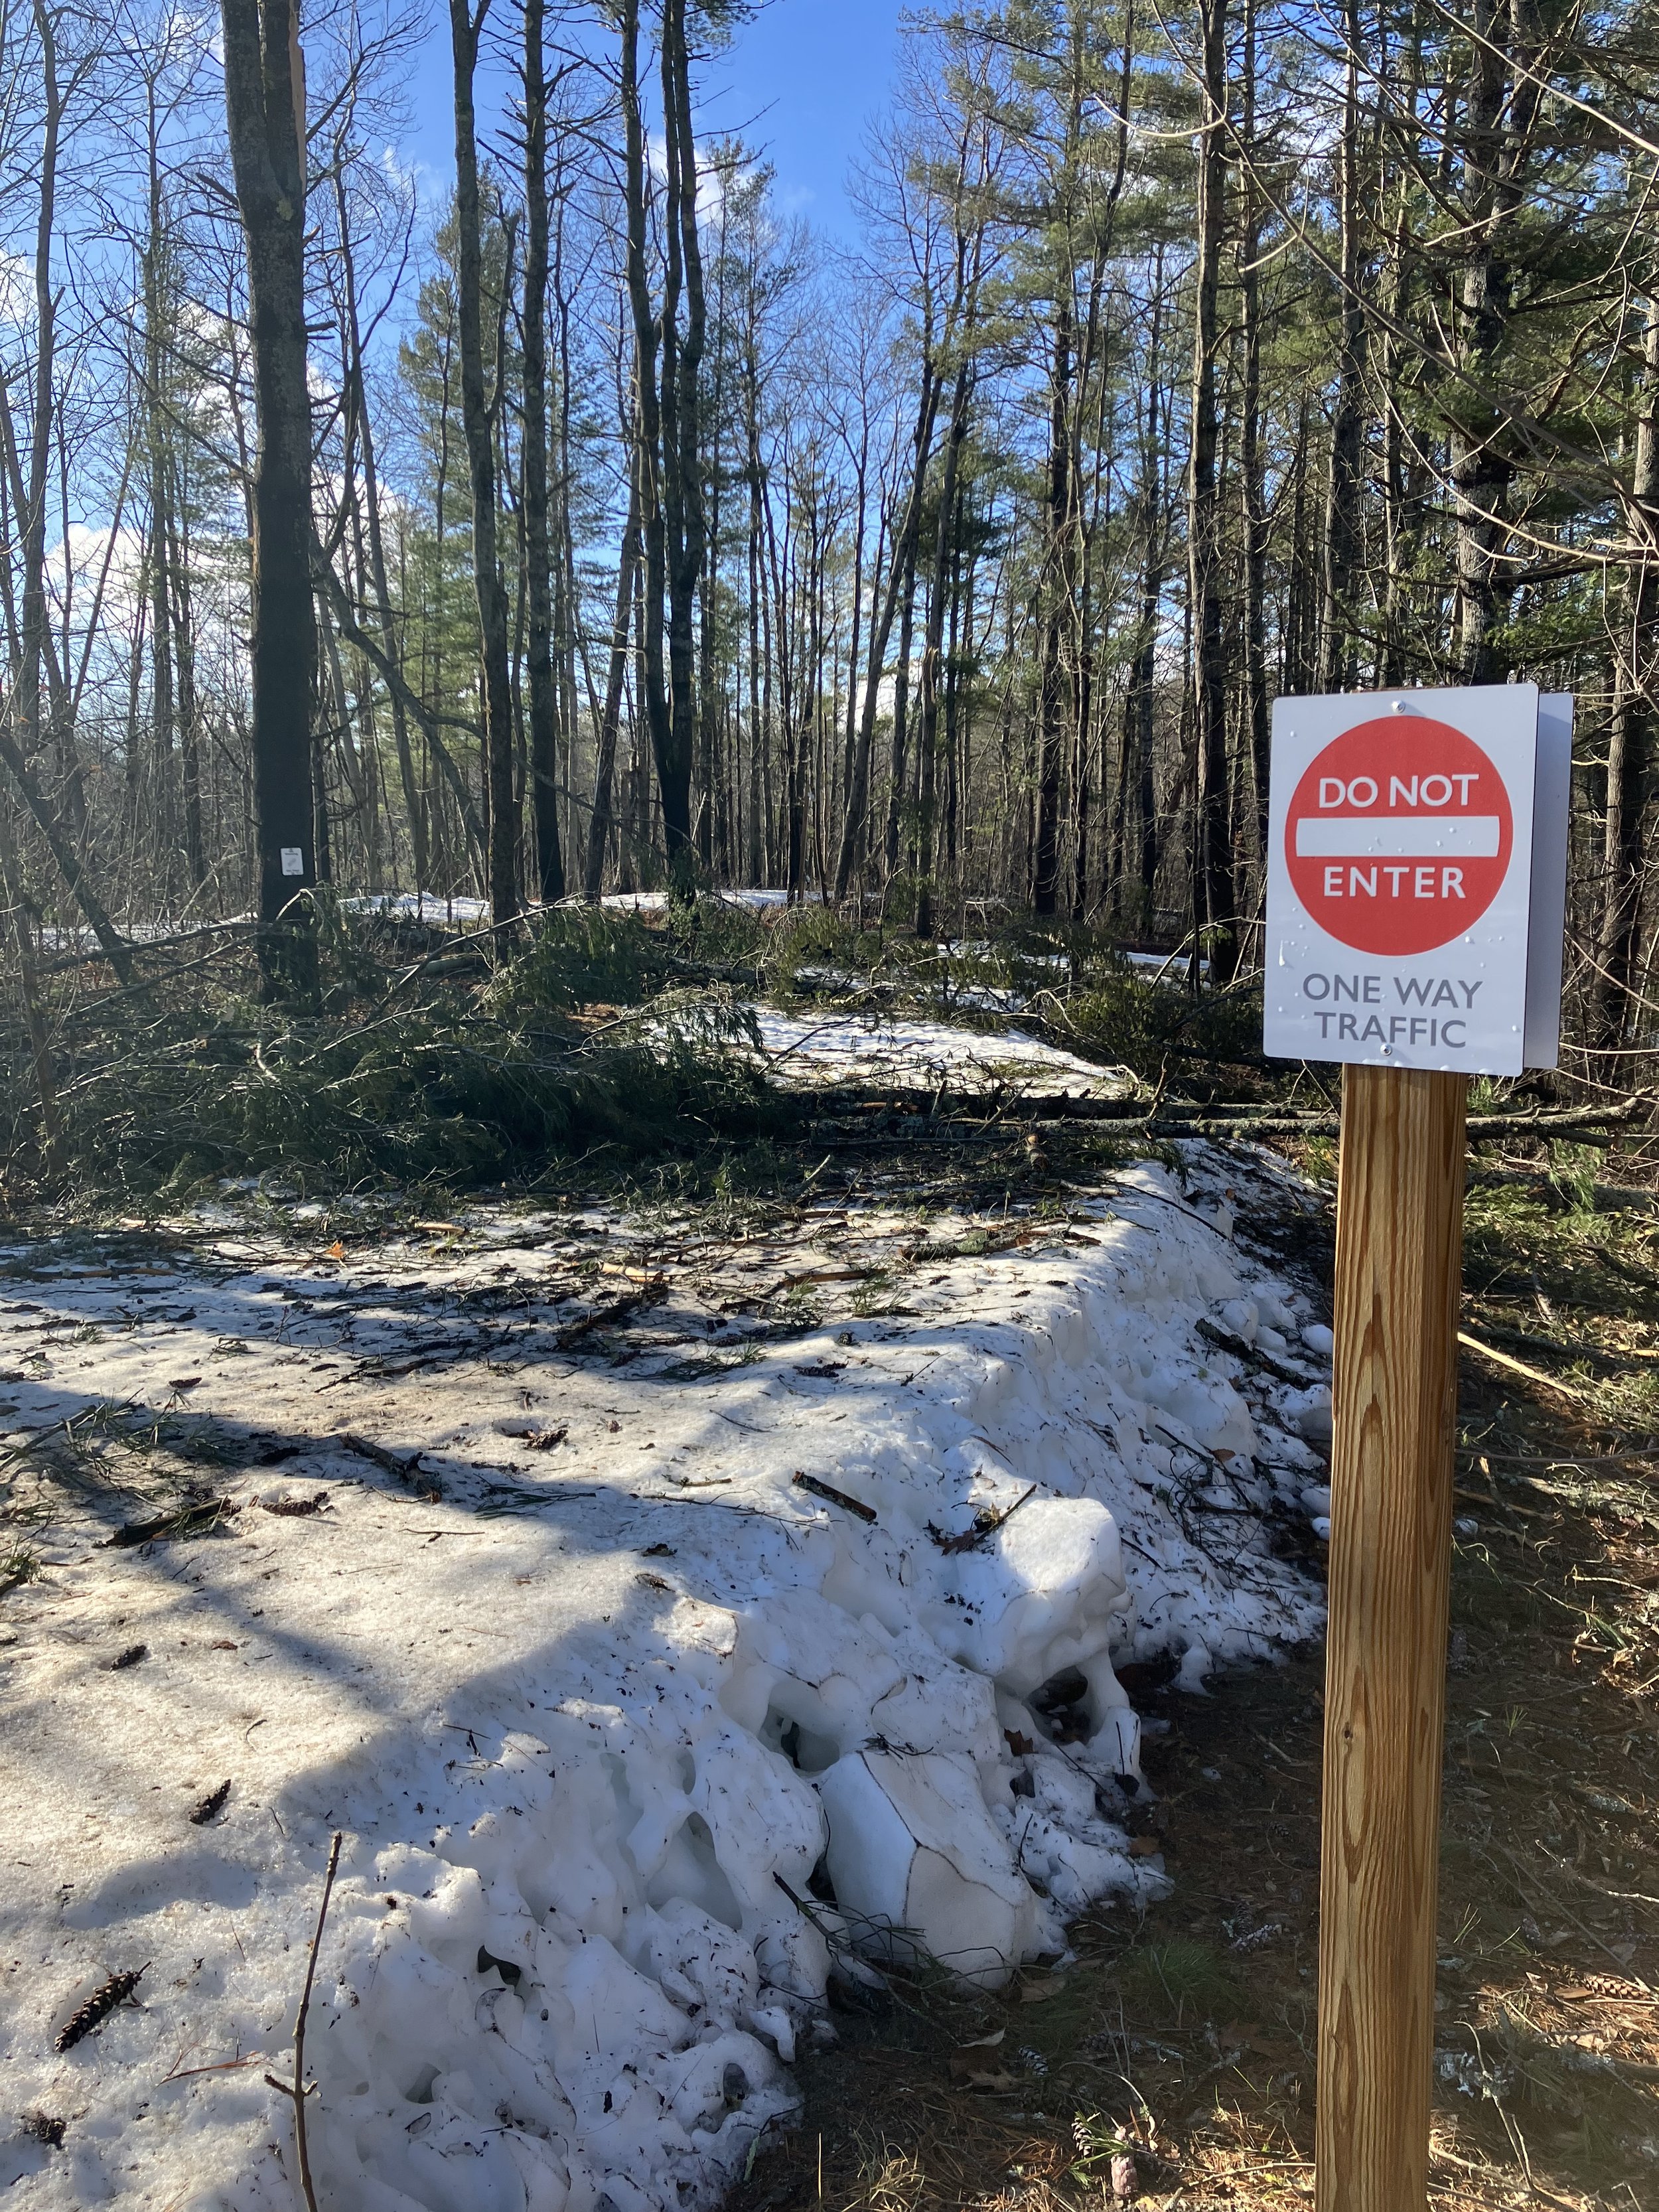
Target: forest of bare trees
[{"x": 588, "y": 526}]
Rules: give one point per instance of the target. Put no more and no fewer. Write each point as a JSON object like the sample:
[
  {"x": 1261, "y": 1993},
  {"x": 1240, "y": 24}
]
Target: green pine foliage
[{"x": 467, "y": 1080}]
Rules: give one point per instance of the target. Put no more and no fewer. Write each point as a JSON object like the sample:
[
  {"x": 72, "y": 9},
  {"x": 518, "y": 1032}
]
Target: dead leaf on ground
[{"x": 974, "y": 2067}]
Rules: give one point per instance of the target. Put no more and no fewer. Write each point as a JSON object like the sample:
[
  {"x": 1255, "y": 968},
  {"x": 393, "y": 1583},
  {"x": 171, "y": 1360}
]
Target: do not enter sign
[
  {"x": 1416, "y": 877},
  {"x": 1399, "y": 836},
  {"x": 1417, "y": 852}
]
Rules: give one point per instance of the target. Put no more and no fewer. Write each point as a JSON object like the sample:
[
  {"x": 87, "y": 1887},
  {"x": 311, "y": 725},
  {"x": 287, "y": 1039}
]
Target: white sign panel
[
  {"x": 1416, "y": 877},
  {"x": 1546, "y": 935}
]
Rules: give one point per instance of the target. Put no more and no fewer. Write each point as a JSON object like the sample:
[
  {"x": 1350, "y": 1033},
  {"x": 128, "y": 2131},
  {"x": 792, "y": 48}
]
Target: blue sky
[{"x": 802, "y": 79}]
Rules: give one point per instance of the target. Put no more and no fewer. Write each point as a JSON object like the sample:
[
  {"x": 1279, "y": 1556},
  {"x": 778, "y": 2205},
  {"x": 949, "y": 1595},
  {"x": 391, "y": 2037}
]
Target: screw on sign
[{"x": 1399, "y": 836}]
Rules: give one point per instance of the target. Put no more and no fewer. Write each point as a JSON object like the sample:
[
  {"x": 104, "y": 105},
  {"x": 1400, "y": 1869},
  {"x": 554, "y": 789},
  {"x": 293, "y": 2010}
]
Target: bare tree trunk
[
  {"x": 1058, "y": 651},
  {"x": 849, "y": 742},
  {"x": 1399, "y": 534},
  {"x": 34, "y": 649},
  {"x": 569, "y": 641},
  {"x": 414, "y": 798},
  {"x": 900, "y": 587},
  {"x": 682, "y": 455},
  {"x": 1348, "y": 423},
  {"x": 45, "y": 1072},
  {"x": 648, "y": 342},
  {"x": 1056, "y": 613},
  {"x": 928, "y": 690},
  {"x": 159, "y": 542},
  {"x": 755, "y": 474},
  {"x": 1501, "y": 115},
  {"x": 900, "y": 774},
  {"x": 1630, "y": 735},
  {"x": 184, "y": 638},
  {"x": 35, "y": 640},
  {"x": 264, "y": 102},
  {"x": 714, "y": 820},
  {"x": 598, "y": 827},
  {"x": 1138, "y": 778},
  {"x": 544, "y": 749},
  {"x": 1212, "y": 902},
  {"x": 1252, "y": 459},
  {"x": 479, "y": 411}
]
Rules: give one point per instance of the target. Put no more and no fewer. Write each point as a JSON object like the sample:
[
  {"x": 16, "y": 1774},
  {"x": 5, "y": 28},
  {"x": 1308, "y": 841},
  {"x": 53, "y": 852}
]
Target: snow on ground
[
  {"x": 617, "y": 1586},
  {"x": 444, "y": 906},
  {"x": 441, "y": 906},
  {"x": 757, "y": 901},
  {"x": 79, "y": 937},
  {"x": 1167, "y": 967},
  {"x": 919, "y": 1055}
]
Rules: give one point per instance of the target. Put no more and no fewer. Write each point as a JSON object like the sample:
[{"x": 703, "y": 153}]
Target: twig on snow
[
  {"x": 602, "y": 1316},
  {"x": 835, "y": 1497},
  {"x": 296, "y": 2088},
  {"x": 409, "y": 1471}
]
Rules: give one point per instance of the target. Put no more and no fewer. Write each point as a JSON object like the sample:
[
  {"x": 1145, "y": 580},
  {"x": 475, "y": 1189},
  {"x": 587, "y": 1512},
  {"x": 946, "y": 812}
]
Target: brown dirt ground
[{"x": 1187, "y": 2039}]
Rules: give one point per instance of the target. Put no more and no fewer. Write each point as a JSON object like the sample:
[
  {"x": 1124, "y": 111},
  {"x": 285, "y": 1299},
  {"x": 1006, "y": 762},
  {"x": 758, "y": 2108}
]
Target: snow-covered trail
[{"x": 662, "y": 1587}]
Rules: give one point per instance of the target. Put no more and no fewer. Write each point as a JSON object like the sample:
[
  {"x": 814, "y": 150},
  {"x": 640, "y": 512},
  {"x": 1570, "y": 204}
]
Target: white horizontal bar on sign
[{"x": 1402, "y": 836}]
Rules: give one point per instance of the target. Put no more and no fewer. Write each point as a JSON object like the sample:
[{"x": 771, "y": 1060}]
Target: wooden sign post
[
  {"x": 1399, "y": 1267},
  {"x": 1417, "y": 864}
]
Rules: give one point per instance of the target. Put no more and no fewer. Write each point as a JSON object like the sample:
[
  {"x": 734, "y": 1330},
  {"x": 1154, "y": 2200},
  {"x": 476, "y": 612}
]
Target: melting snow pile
[
  {"x": 805, "y": 1049},
  {"x": 655, "y": 1663}
]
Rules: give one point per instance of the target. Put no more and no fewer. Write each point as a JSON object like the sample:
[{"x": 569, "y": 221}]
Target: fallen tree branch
[
  {"x": 602, "y": 1316},
  {"x": 1006, "y": 1103},
  {"x": 234, "y": 925},
  {"x": 1255, "y": 1355},
  {"x": 424, "y": 1484},
  {"x": 1608, "y": 1197},
  {"x": 115, "y": 948},
  {"x": 1599, "y": 1355},
  {"x": 1519, "y": 1367},
  {"x": 1553, "y": 1123}
]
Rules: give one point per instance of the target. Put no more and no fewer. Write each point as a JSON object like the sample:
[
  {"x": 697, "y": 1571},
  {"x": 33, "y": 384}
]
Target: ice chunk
[
  {"x": 706, "y": 1958},
  {"x": 1244, "y": 1318},
  {"x": 919, "y": 1867},
  {"x": 1309, "y": 1412},
  {"x": 1040, "y": 1597}
]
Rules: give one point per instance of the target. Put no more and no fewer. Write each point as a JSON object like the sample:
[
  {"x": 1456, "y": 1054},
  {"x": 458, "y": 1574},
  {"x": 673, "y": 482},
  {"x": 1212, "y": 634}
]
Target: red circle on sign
[{"x": 1399, "y": 836}]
